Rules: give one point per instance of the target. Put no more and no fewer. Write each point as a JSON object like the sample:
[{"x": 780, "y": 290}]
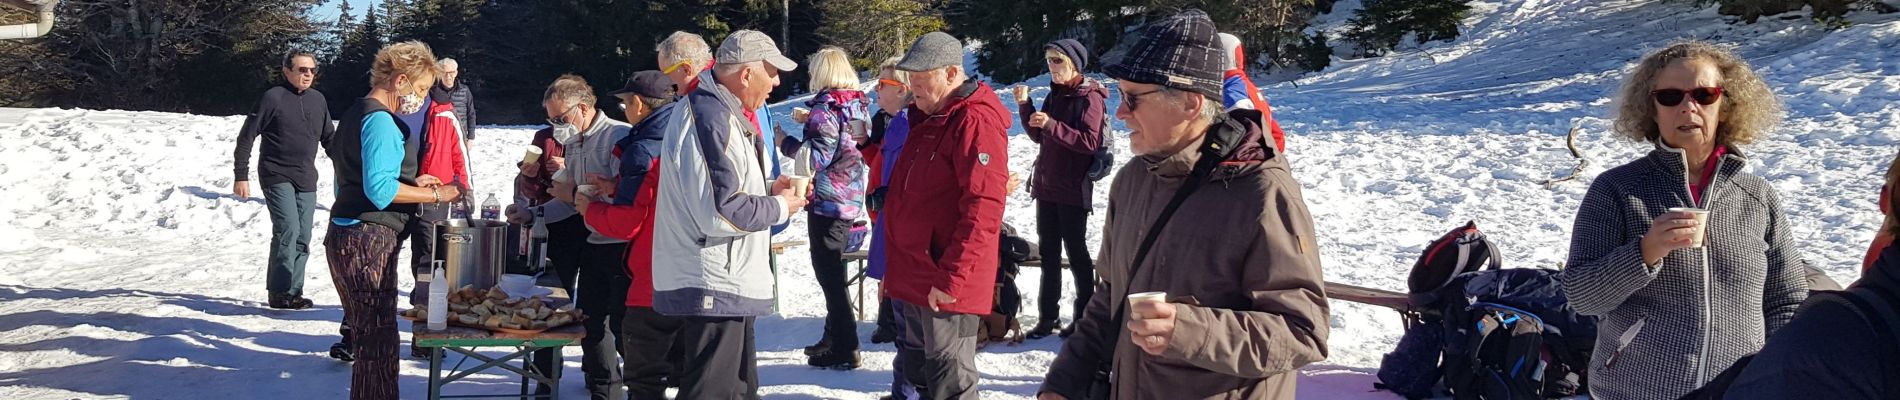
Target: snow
[{"x": 127, "y": 270}]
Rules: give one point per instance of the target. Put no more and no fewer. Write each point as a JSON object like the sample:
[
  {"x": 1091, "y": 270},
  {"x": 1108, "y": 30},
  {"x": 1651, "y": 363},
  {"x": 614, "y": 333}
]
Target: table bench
[{"x": 466, "y": 341}]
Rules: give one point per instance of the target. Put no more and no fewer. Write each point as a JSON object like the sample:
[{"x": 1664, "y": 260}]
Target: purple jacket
[
  {"x": 1076, "y": 115},
  {"x": 893, "y": 145},
  {"x": 838, "y": 187}
]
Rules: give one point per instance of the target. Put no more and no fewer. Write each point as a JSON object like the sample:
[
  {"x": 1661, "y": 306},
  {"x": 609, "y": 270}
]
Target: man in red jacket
[{"x": 945, "y": 210}]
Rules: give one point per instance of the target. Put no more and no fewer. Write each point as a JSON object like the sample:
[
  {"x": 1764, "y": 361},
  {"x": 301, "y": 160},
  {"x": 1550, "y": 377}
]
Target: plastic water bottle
[
  {"x": 491, "y": 209},
  {"x": 438, "y": 298}
]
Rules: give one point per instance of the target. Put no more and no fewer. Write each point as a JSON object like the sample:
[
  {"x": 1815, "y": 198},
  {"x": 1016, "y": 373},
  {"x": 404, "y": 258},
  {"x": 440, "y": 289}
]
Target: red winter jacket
[
  {"x": 444, "y": 159},
  {"x": 633, "y": 223},
  {"x": 945, "y": 202}
]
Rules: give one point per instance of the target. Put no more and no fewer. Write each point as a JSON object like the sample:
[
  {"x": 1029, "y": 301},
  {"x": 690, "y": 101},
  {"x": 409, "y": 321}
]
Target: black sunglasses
[
  {"x": 304, "y": 70},
  {"x": 1672, "y": 97},
  {"x": 1133, "y": 100}
]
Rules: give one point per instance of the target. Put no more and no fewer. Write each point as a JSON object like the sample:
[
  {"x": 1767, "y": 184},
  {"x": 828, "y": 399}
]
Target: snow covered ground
[{"x": 128, "y": 271}]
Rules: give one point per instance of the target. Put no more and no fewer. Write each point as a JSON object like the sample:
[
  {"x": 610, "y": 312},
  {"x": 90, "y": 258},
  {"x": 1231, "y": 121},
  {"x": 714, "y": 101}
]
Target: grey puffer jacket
[{"x": 1697, "y": 311}]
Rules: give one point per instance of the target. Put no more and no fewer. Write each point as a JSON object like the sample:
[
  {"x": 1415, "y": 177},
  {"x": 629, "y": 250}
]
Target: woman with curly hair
[{"x": 1688, "y": 259}]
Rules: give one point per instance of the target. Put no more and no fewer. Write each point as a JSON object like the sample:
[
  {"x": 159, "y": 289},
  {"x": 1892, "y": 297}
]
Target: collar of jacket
[
  {"x": 1885, "y": 272},
  {"x": 1083, "y": 87},
  {"x": 293, "y": 89},
  {"x": 1249, "y": 150},
  {"x": 950, "y": 104},
  {"x": 834, "y": 96},
  {"x": 1675, "y": 161},
  {"x": 710, "y": 87}
]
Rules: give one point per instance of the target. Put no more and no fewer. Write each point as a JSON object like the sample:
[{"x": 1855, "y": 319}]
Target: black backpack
[
  {"x": 1104, "y": 164},
  {"x": 1484, "y": 331}
]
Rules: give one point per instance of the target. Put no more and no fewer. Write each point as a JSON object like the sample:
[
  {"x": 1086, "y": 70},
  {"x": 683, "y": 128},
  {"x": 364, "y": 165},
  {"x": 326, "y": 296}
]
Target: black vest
[{"x": 346, "y": 155}]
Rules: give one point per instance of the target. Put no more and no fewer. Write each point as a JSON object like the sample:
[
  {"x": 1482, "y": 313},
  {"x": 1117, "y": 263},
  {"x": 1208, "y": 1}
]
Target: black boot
[
  {"x": 288, "y": 302},
  {"x": 341, "y": 350},
  {"x": 839, "y": 360},
  {"x": 1044, "y": 329},
  {"x": 823, "y": 346},
  {"x": 883, "y": 335}
]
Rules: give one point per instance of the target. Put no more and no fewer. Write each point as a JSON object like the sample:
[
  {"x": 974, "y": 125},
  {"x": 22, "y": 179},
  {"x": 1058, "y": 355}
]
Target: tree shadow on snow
[{"x": 210, "y": 305}]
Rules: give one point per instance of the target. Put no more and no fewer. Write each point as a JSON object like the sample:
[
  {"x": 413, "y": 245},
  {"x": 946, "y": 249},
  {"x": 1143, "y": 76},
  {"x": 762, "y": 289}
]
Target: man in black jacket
[
  {"x": 458, "y": 94},
  {"x": 294, "y": 121}
]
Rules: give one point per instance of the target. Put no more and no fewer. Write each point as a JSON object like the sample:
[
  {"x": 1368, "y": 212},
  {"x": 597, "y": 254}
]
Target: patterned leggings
[{"x": 363, "y": 260}]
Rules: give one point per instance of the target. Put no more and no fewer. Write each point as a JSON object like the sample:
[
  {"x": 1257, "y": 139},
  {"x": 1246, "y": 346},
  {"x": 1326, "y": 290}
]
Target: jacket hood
[{"x": 1250, "y": 150}]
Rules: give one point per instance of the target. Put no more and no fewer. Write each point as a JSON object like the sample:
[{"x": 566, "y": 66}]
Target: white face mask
[{"x": 565, "y": 132}]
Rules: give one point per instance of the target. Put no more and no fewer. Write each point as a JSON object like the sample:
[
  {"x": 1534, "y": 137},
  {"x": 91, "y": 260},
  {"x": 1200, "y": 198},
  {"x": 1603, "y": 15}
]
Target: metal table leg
[{"x": 435, "y": 373}]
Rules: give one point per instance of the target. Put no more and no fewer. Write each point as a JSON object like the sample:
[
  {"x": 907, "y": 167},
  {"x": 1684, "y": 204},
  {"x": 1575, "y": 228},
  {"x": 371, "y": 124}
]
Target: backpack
[
  {"x": 1873, "y": 304},
  {"x": 1104, "y": 164},
  {"x": 1001, "y": 323},
  {"x": 1484, "y": 331}
]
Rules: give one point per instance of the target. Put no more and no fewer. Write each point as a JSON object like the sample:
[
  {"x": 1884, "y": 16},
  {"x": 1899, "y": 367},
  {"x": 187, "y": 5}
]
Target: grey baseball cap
[
  {"x": 932, "y": 51},
  {"x": 749, "y": 45}
]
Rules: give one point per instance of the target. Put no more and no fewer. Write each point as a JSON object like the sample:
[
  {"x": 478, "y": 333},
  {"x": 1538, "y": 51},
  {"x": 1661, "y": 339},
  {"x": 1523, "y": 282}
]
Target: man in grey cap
[
  {"x": 711, "y": 239},
  {"x": 944, "y": 225}
]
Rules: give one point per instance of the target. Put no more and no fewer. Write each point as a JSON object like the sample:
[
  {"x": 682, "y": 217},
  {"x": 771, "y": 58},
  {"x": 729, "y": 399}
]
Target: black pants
[
  {"x": 421, "y": 236},
  {"x": 602, "y": 296},
  {"x": 651, "y": 357},
  {"x": 1062, "y": 227},
  {"x": 828, "y": 237},
  {"x": 566, "y": 238},
  {"x": 884, "y": 320},
  {"x": 363, "y": 268},
  {"x": 721, "y": 359}
]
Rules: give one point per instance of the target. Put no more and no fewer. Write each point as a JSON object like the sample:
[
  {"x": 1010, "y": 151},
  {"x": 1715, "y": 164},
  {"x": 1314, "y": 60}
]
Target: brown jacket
[{"x": 1238, "y": 260}]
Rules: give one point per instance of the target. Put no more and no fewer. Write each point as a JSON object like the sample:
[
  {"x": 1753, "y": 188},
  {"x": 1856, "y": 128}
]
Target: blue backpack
[{"x": 1484, "y": 331}]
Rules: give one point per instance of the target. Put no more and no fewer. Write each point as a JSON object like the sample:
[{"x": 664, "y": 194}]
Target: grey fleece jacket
[{"x": 1698, "y": 310}]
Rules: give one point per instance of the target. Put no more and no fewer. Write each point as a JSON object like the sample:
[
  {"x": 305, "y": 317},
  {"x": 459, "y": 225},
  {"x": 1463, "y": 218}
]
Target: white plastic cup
[
  {"x": 1144, "y": 297},
  {"x": 591, "y": 191},
  {"x": 532, "y": 156},
  {"x": 801, "y": 185},
  {"x": 1701, "y": 224}
]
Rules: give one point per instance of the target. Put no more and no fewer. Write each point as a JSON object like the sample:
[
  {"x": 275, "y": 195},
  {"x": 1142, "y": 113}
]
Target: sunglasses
[
  {"x": 891, "y": 83},
  {"x": 1133, "y": 100},
  {"x": 1673, "y": 97},
  {"x": 304, "y": 70},
  {"x": 562, "y": 119},
  {"x": 676, "y": 67}
]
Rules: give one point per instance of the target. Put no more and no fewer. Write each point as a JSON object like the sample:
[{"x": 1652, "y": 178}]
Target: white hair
[
  {"x": 890, "y": 65},
  {"x": 446, "y": 64},
  {"x": 684, "y": 46}
]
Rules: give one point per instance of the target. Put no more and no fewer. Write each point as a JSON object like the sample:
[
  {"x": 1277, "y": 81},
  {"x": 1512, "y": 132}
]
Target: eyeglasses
[
  {"x": 891, "y": 83},
  {"x": 562, "y": 118},
  {"x": 1672, "y": 97},
  {"x": 1133, "y": 100},
  {"x": 676, "y": 67},
  {"x": 305, "y": 70}
]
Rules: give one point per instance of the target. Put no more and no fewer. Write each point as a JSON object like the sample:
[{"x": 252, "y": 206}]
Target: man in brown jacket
[{"x": 1245, "y": 303}]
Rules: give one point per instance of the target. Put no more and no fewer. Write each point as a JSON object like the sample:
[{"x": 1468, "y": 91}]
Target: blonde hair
[
  {"x": 570, "y": 89},
  {"x": 890, "y": 65},
  {"x": 1749, "y": 108},
  {"x": 831, "y": 69},
  {"x": 412, "y": 59}
]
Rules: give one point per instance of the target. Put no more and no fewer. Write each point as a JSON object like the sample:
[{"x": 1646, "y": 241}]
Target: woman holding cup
[
  {"x": 835, "y": 187},
  {"x": 1688, "y": 259}
]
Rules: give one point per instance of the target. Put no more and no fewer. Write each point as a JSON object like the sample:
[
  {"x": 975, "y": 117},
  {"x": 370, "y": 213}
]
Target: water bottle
[
  {"x": 439, "y": 298},
  {"x": 491, "y": 209}
]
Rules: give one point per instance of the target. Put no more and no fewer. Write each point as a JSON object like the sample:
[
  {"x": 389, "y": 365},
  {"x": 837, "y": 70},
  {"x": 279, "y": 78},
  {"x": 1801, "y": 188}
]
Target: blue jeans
[{"x": 290, "y": 214}]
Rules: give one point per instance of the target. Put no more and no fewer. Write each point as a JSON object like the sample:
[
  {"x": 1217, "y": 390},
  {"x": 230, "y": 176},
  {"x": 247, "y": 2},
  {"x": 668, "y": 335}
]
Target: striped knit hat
[{"x": 1180, "y": 51}]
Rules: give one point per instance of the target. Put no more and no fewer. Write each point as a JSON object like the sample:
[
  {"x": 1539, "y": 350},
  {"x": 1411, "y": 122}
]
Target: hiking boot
[
  {"x": 289, "y": 302},
  {"x": 838, "y": 360},
  {"x": 883, "y": 335},
  {"x": 823, "y": 346},
  {"x": 1044, "y": 329},
  {"x": 418, "y": 352},
  {"x": 341, "y": 352}
]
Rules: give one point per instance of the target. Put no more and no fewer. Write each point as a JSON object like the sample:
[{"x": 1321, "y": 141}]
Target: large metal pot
[{"x": 472, "y": 251}]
